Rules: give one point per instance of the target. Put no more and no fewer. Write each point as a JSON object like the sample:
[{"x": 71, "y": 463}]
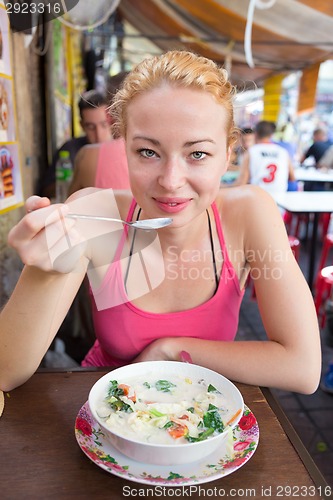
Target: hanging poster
[
  {"x": 63, "y": 120},
  {"x": 61, "y": 82},
  {"x": 7, "y": 121},
  {"x": 10, "y": 176},
  {"x": 5, "y": 67},
  {"x": 11, "y": 193},
  {"x": 78, "y": 81}
]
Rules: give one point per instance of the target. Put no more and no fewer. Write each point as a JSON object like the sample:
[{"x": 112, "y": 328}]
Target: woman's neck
[{"x": 193, "y": 235}]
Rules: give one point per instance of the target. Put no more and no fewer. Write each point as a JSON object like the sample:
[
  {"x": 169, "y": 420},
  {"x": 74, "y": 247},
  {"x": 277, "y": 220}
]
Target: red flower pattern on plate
[
  {"x": 247, "y": 421},
  {"x": 83, "y": 426},
  {"x": 237, "y": 462},
  {"x": 241, "y": 445}
]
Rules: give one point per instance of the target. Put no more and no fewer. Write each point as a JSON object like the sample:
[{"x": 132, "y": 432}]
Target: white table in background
[
  {"x": 308, "y": 202},
  {"x": 313, "y": 175}
]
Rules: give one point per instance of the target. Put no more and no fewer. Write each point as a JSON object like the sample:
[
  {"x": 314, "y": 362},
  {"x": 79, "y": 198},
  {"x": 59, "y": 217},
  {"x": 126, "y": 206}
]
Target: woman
[{"x": 175, "y": 113}]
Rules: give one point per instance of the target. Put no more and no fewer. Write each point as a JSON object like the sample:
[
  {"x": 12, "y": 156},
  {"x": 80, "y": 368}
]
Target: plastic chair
[
  {"x": 294, "y": 221},
  {"x": 324, "y": 221},
  {"x": 324, "y": 281}
]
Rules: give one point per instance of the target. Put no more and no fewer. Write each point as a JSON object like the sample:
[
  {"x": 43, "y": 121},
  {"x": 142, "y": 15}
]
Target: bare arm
[
  {"x": 291, "y": 357},
  {"x": 56, "y": 251},
  {"x": 31, "y": 319},
  {"x": 84, "y": 168},
  {"x": 44, "y": 292}
]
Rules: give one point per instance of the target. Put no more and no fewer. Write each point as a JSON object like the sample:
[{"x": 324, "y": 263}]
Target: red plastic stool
[
  {"x": 328, "y": 244},
  {"x": 324, "y": 284},
  {"x": 293, "y": 222},
  {"x": 324, "y": 221},
  {"x": 324, "y": 280}
]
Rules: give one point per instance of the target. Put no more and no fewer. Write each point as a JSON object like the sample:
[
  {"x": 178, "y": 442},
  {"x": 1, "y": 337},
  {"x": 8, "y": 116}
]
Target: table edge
[{"x": 311, "y": 467}]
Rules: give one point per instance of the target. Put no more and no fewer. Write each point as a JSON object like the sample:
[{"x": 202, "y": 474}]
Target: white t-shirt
[{"x": 269, "y": 167}]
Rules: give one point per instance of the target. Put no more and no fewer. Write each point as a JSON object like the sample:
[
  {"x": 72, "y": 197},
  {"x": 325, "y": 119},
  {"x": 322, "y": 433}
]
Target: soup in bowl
[{"x": 166, "y": 412}]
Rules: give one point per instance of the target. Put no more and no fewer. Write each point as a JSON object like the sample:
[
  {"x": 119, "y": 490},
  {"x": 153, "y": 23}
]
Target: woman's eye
[
  {"x": 198, "y": 155},
  {"x": 147, "y": 153}
]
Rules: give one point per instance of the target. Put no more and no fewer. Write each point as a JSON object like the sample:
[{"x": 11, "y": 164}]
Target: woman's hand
[
  {"x": 45, "y": 238},
  {"x": 165, "y": 349}
]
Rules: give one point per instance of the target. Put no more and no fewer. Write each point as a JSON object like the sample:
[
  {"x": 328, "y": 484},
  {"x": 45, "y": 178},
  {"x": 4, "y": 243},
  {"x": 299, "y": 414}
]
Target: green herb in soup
[
  {"x": 164, "y": 385},
  {"x": 174, "y": 411}
]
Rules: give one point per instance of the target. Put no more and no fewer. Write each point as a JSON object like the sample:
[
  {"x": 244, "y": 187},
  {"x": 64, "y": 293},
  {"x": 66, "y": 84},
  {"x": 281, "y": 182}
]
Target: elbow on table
[
  {"x": 8, "y": 383},
  {"x": 307, "y": 378}
]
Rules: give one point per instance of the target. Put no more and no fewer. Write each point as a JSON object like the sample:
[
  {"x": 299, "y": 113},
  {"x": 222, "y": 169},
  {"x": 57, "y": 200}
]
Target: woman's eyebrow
[
  {"x": 144, "y": 138},
  {"x": 186, "y": 144},
  {"x": 192, "y": 143}
]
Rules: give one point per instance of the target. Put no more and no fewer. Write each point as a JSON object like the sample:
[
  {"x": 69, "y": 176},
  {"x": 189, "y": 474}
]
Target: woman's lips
[{"x": 172, "y": 205}]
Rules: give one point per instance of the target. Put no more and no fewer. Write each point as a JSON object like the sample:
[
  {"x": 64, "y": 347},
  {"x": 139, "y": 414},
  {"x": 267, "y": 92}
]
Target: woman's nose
[{"x": 172, "y": 176}]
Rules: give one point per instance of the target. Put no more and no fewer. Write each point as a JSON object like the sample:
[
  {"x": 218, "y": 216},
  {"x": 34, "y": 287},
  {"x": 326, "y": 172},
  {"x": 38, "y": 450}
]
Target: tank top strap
[
  {"x": 221, "y": 235},
  {"x": 125, "y": 231},
  {"x": 131, "y": 211}
]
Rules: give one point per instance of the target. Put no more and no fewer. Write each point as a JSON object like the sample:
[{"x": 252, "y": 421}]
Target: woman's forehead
[{"x": 176, "y": 103}]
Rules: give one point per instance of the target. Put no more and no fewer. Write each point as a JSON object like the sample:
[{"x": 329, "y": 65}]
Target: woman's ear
[{"x": 230, "y": 153}]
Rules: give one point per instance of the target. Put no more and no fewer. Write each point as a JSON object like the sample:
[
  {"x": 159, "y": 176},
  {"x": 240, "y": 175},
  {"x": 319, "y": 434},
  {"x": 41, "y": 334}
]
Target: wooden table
[
  {"x": 308, "y": 202},
  {"x": 40, "y": 458}
]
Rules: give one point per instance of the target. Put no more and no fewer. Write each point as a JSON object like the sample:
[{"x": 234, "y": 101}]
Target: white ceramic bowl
[{"x": 166, "y": 454}]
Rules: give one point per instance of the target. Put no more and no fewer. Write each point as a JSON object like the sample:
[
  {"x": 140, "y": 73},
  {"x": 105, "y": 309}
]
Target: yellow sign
[{"x": 272, "y": 97}]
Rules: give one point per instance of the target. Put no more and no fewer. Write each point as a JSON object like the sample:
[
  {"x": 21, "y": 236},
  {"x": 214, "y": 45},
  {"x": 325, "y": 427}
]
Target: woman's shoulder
[
  {"x": 247, "y": 197},
  {"x": 245, "y": 207}
]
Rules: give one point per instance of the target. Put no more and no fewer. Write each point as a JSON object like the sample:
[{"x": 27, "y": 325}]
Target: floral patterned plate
[{"x": 94, "y": 444}]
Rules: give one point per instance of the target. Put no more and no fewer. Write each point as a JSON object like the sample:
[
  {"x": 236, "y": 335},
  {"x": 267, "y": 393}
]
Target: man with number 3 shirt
[{"x": 266, "y": 164}]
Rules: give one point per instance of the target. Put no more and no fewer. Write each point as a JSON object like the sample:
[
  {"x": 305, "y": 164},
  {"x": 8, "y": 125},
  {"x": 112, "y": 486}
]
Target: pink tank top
[
  {"x": 112, "y": 170},
  {"x": 124, "y": 330}
]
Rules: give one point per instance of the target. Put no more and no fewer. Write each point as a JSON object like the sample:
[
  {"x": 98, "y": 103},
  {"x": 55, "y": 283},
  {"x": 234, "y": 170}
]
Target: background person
[
  {"x": 95, "y": 122},
  {"x": 266, "y": 164},
  {"x": 316, "y": 151},
  {"x": 176, "y": 157},
  {"x": 103, "y": 165},
  {"x": 319, "y": 146},
  {"x": 246, "y": 140},
  {"x": 326, "y": 161}
]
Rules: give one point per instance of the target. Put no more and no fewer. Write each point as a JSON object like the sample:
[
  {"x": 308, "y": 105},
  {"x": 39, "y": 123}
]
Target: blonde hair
[{"x": 177, "y": 68}]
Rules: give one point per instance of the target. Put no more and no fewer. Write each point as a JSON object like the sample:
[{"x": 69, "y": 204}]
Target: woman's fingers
[
  {"x": 46, "y": 238},
  {"x": 34, "y": 222},
  {"x": 35, "y": 202}
]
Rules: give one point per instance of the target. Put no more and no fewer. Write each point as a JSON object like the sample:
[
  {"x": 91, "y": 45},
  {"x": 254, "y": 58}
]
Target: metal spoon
[{"x": 146, "y": 224}]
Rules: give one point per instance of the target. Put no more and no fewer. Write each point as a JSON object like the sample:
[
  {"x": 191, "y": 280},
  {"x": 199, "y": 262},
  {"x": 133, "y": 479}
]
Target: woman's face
[{"x": 177, "y": 151}]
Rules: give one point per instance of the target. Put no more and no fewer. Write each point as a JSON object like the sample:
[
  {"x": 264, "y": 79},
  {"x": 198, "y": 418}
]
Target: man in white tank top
[{"x": 266, "y": 164}]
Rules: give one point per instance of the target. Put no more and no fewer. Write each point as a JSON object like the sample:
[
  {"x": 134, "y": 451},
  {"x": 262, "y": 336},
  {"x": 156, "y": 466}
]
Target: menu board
[{"x": 11, "y": 193}]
